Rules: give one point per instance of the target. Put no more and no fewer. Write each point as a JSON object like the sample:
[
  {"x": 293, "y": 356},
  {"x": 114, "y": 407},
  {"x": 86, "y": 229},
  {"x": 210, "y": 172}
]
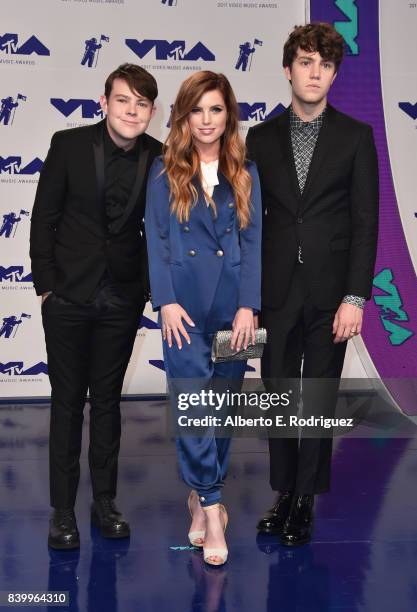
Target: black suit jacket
[
  {"x": 70, "y": 245},
  {"x": 335, "y": 220}
]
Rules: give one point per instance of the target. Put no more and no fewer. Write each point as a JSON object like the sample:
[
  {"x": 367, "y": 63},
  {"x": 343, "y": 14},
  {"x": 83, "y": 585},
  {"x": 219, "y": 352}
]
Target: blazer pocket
[
  {"x": 340, "y": 244},
  {"x": 175, "y": 262}
]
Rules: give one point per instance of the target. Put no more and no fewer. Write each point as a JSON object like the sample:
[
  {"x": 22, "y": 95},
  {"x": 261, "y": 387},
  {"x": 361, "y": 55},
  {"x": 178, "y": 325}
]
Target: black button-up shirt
[{"x": 120, "y": 169}]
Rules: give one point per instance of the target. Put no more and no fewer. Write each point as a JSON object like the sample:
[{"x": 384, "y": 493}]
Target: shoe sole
[
  {"x": 295, "y": 544},
  {"x": 277, "y": 532},
  {"x": 60, "y": 546},
  {"x": 109, "y": 535}
]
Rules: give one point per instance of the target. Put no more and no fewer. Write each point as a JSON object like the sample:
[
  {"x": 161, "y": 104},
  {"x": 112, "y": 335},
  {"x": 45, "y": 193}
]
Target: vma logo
[
  {"x": 348, "y": 29},
  {"x": 90, "y": 109},
  {"x": 169, "y": 2},
  {"x": 92, "y": 50},
  {"x": 246, "y": 51},
  {"x": 14, "y": 274},
  {"x": 8, "y": 108},
  {"x": 175, "y": 50},
  {"x": 10, "y": 223},
  {"x": 391, "y": 308},
  {"x": 9, "y": 44},
  {"x": 258, "y": 112},
  {"x": 409, "y": 109},
  {"x": 17, "y": 368},
  {"x": 13, "y": 165},
  {"x": 10, "y": 325}
]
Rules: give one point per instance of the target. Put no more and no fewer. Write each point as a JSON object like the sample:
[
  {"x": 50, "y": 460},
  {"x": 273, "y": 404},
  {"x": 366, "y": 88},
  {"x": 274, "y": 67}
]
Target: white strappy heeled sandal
[
  {"x": 219, "y": 553},
  {"x": 196, "y": 537}
]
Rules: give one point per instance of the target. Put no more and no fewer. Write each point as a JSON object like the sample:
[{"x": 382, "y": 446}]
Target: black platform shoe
[
  {"x": 106, "y": 516},
  {"x": 274, "y": 520},
  {"x": 63, "y": 531}
]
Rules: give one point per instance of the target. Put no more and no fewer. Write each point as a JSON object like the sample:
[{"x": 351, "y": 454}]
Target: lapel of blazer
[
  {"x": 222, "y": 196},
  {"x": 204, "y": 212},
  {"x": 284, "y": 135},
  {"x": 326, "y": 145},
  {"x": 143, "y": 152},
  {"x": 98, "y": 148}
]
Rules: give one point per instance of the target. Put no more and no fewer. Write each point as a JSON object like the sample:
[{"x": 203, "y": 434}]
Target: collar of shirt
[
  {"x": 298, "y": 124},
  {"x": 209, "y": 175},
  {"x": 111, "y": 150}
]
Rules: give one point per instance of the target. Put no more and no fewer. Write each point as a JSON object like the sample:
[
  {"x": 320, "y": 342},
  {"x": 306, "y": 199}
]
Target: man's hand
[
  {"x": 347, "y": 322},
  {"x": 243, "y": 329},
  {"x": 172, "y": 325},
  {"x": 45, "y": 295}
]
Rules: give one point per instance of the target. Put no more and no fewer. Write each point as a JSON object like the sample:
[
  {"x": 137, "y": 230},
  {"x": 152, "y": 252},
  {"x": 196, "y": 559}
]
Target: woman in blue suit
[{"x": 203, "y": 228}]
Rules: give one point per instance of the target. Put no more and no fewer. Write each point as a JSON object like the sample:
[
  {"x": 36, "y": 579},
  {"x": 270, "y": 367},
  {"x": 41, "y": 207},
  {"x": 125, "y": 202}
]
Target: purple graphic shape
[{"x": 357, "y": 91}]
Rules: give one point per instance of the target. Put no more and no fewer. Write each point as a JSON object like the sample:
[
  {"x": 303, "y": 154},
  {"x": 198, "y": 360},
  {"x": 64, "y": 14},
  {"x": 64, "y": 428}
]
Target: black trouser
[
  {"x": 299, "y": 329},
  {"x": 89, "y": 348}
]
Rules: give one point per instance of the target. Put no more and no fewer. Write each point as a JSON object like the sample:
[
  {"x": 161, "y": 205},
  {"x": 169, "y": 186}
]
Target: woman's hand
[
  {"x": 243, "y": 329},
  {"x": 172, "y": 325}
]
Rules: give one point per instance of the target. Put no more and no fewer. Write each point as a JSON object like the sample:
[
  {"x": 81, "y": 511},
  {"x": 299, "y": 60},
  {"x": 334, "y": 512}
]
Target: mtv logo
[
  {"x": 89, "y": 108},
  {"x": 257, "y": 111},
  {"x": 12, "y": 165},
  {"x": 16, "y": 368},
  {"x": 11, "y": 368},
  {"x": 165, "y": 50},
  {"x": 391, "y": 308},
  {"x": 14, "y": 274},
  {"x": 409, "y": 109},
  {"x": 348, "y": 29},
  {"x": 9, "y": 43}
]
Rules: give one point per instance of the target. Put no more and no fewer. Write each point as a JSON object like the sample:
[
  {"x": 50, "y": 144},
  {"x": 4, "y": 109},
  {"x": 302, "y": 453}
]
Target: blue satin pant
[{"x": 204, "y": 460}]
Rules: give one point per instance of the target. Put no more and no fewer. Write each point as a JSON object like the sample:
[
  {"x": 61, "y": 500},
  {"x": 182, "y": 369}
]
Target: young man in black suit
[
  {"x": 89, "y": 264},
  {"x": 319, "y": 180}
]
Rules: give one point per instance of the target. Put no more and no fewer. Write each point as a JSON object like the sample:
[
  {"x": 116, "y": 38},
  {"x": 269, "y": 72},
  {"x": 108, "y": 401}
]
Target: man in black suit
[
  {"x": 319, "y": 180},
  {"x": 89, "y": 264}
]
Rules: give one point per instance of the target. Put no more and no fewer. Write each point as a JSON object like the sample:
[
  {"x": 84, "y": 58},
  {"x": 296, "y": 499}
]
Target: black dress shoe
[
  {"x": 274, "y": 520},
  {"x": 106, "y": 516},
  {"x": 63, "y": 531},
  {"x": 299, "y": 526}
]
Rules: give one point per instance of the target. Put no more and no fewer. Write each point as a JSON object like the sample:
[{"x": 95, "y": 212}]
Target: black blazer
[
  {"x": 335, "y": 220},
  {"x": 70, "y": 245}
]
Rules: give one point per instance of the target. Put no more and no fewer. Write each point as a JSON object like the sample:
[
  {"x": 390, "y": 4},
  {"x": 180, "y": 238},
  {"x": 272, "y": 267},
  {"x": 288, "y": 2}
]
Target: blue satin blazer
[{"x": 207, "y": 265}]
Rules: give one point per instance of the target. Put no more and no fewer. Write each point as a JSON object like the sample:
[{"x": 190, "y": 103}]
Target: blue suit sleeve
[
  {"x": 250, "y": 249},
  {"x": 157, "y": 217}
]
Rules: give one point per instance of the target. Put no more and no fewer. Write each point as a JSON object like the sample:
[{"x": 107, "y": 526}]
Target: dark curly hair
[{"x": 321, "y": 37}]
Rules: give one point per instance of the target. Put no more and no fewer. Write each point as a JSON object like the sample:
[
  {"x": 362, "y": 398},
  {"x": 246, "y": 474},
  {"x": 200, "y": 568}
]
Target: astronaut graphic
[
  {"x": 11, "y": 325},
  {"x": 91, "y": 48},
  {"x": 245, "y": 55},
  {"x": 8, "y": 326},
  {"x": 7, "y": 106},
  {"x": 9, "y": 220},
  {"x": 10, "y": 223}
]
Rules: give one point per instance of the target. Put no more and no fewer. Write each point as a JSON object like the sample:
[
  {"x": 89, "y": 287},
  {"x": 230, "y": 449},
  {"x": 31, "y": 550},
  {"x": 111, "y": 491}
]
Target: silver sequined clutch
[{"x": 221, "y": 349}]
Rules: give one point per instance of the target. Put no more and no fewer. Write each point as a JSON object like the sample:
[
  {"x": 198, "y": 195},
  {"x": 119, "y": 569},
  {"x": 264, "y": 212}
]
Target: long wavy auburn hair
[{"x": 181, "y": 158}]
